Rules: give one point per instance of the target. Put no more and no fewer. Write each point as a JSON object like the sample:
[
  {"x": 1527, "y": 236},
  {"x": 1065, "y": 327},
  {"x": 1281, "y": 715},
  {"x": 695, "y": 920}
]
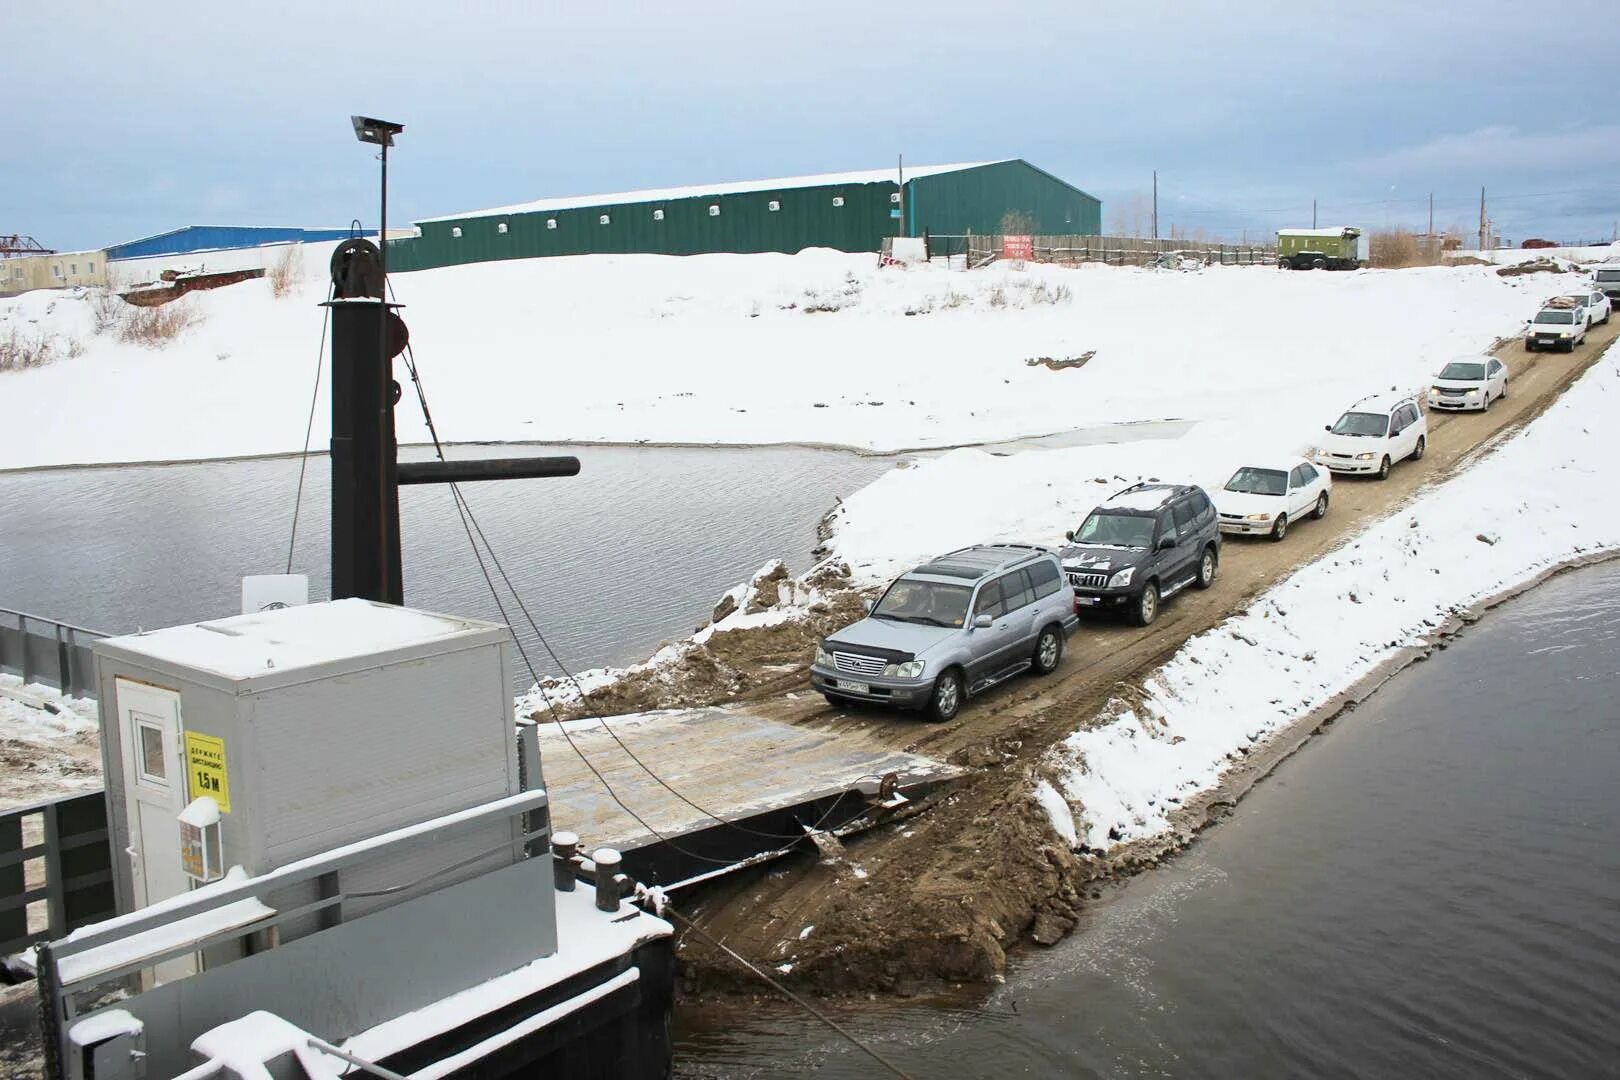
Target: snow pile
[
  {"x": 820, "y": 347},
  {"x": 1532, "y": 504}
]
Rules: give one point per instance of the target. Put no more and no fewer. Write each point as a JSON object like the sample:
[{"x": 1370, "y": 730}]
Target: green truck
[{"x": 1341, "y": 248}]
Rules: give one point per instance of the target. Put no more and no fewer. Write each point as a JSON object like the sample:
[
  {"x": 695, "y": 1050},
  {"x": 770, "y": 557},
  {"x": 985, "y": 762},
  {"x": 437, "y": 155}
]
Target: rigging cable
[{"x": 309, "y": 426}]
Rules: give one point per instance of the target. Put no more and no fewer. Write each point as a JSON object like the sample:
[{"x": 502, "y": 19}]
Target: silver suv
[{"x": 951, "y": 628}]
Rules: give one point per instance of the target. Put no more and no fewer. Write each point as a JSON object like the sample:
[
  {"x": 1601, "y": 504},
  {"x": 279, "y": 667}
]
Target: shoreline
[{"x": 640, "y": 444}]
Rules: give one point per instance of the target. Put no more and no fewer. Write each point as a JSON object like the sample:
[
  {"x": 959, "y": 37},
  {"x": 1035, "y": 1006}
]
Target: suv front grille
[
  {"x": 858, "y": 665},
  {"x": 1087, "y": 581}
]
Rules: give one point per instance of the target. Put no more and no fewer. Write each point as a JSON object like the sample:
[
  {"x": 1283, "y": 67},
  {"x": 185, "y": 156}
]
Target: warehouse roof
[{"x": 620, "y": 198}]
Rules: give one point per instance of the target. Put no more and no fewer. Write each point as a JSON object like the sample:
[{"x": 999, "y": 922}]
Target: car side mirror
[
  {"x": 1069, "y": 536},
  {"x": 983, "y": 622},
  {"x": 1327, "y": 427},
  {"x": 1166, "y": 543},
  {"x": 869, "y": 605}
]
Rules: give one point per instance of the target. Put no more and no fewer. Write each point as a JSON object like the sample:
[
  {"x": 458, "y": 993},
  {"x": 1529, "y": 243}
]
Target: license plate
[
  {"x": 855, "y": 687},
  {"x": 1089, "y": 601}
]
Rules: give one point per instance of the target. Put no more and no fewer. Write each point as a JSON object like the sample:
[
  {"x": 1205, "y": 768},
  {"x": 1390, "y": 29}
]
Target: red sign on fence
[{"x": 1018, "y": 247}]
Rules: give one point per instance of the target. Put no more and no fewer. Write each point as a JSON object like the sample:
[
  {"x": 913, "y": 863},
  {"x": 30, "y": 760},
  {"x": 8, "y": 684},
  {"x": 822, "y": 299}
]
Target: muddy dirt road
[{"x": 941, "y": 896}]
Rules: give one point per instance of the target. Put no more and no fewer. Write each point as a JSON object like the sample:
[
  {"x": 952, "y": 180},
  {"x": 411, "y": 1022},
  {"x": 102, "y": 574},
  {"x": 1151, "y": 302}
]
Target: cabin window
[{"x": 149, "y": 741}]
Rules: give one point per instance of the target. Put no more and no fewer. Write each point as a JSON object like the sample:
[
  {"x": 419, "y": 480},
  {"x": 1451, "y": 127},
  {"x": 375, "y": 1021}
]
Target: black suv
[{"x": 1142, "y": 546}]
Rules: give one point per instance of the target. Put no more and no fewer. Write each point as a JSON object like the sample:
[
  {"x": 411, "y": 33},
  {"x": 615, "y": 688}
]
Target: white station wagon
[
  {"x": 1469, "y": 382},
  {"x": 1372, "y": 435},
  {"x": 1265, "y": 498}
]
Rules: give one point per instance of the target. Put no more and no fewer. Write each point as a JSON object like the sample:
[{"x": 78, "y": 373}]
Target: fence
[
  {"x": 40, "y": 650},
  {"x": 55, "y": 870}
]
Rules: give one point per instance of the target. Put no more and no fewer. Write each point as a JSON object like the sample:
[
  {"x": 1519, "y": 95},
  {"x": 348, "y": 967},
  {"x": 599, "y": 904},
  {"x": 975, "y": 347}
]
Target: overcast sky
[{"x": 125, "y": 119}]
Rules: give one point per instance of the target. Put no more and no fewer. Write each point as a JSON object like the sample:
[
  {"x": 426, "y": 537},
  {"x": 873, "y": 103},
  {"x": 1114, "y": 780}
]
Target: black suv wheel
[
  {"x": 1146, "y": 606},
  {"x": 1207, "y": 565}
]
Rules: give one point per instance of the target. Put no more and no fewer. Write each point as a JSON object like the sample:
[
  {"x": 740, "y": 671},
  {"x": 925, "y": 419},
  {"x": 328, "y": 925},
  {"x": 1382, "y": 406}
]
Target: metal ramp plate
[{"x": 773, "y": 780}]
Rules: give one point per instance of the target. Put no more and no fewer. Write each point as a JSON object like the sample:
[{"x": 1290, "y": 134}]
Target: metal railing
[
  {"x": 55, "y": 870},
  {"x": 41, "y": 650}
]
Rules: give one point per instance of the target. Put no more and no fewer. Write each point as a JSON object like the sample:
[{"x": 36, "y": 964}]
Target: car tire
[
  {"x": 946, "y": 701},
  {"x": 1503, "y": 395},
  {"x": 1529, "y": 347},
  {"x": 1319, "y": 511},
  {"x": 1318, "y": 264},
  {"x": 1146, "y": 607},
  {"x": 1279, "y": 528},
  {"x": 1383, "y": 468},
  {"x": 1420, "y": 449},
  {"x": 1207, "y": 567},
  {"x": 835, "y": 701},
  {"x": 1048, "y": 651}
]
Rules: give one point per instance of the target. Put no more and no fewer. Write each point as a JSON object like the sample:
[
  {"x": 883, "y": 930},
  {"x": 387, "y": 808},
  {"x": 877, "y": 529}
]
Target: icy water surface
[
  {"x": 634, "y": 550},
  {"x": 1432, "y": 889}
]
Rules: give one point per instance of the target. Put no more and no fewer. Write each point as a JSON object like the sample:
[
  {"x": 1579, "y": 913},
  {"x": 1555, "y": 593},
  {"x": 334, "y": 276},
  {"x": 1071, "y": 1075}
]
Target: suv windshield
[
  {"x": 1463, "y": 371},
  {"x": 932, "y": 602},
  {"x": 1116, "y": 530},
  {"x": 1251, "y": 481},
  {"x": 1361, "y": 423},
  {"x": 1554, "y": 316}
]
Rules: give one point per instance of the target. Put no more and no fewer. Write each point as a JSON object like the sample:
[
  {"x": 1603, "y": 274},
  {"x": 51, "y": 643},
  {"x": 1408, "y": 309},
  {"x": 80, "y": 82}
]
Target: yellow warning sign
[{"x": 205, "y": 769}]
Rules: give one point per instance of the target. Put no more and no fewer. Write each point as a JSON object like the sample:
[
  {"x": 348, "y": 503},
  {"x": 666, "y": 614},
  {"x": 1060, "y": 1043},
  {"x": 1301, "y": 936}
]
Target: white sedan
[
  {"x": 1597, "y": 304},
  {"x": 1265, "y": 498},
  {"x": 1469, "y": 382}
]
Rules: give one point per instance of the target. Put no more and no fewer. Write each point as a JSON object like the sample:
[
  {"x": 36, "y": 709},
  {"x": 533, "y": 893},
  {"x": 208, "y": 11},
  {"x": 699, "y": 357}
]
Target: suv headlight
[
  {"x": 823, "y": 658},
  {"x": 1258, "y": 517},
  {"x": 1364, "y": 457},
  {"x": 908, "y": 670},
  {"x": 1123, "y": 578}
]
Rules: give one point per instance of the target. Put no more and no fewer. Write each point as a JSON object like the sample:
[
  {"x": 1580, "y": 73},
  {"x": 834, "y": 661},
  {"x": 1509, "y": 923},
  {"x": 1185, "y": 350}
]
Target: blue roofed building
[{"x": 218, "y": 238}]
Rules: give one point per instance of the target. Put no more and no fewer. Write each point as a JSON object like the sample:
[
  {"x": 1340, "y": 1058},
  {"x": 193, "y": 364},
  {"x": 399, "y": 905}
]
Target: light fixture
[
  {"x": 551, "y": 223},
  {"x": 501, "y": 228},
  {"x": 838, "y": 200},
  {"x": 455, "y": 231},
  {"x": 370, "y": 130},
  {"x": 714, "y": 211},
  {"x": 603, "y": 220},
  {"x": 658, "y": 215},
  {"x": 775, "y": 206}
]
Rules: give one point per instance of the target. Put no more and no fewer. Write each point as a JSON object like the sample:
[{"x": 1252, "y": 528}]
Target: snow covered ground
[
  {"x": 1531, "y": 504},
  {"x": 47, "y": 743},
  {"x": 819, "y": 347}
]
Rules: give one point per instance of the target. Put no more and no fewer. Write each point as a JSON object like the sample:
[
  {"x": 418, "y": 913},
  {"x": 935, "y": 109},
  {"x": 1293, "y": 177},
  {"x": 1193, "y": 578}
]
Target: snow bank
[
  {"x": 1531, "y": 504},
  {"x": 819, "y": 347}
]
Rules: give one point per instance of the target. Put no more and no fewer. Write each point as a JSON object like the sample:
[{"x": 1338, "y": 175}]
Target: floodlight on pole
[{"x": 381, "y": 132}]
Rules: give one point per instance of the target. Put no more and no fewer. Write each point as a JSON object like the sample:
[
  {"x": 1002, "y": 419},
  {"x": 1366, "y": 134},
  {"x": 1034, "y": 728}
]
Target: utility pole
[
  {"x": 1431, "y": 214},
  {"x": 1313, "y": 213},
  {"x": 900, "y": 164},
  {"x": 1155, "y": 204},
  {"x": 1482, "y": 219}
]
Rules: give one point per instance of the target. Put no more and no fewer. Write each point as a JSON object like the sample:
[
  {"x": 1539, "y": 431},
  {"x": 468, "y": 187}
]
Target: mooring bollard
[
  {"x": 564, "y": 846},
  {"x": 608, "y": 879}
]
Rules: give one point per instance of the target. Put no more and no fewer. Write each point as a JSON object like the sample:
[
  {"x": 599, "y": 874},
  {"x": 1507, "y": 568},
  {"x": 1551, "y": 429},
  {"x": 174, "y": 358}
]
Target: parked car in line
[
  {"x": 1596, "y": 304},
  {"x": 1372, "y": 435},
  {"x": 951, "y": 628},
  {"x": 1469, "y": 382},
  {"x": 1606, "y": 280},
  {"x": 1265, "y": 498},
  {"x": 1561, "y": 324},
  {"x": 1141, "y": 547}
]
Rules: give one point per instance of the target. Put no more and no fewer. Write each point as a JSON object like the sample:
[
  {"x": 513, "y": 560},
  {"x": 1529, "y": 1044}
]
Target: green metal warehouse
[{"x": 846, "y": 211}]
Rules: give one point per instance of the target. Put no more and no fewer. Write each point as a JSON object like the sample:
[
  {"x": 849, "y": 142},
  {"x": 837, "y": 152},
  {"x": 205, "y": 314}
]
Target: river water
[
  {"x": 1431, "y": 889},
  {"x": 634, "y": 550}
]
